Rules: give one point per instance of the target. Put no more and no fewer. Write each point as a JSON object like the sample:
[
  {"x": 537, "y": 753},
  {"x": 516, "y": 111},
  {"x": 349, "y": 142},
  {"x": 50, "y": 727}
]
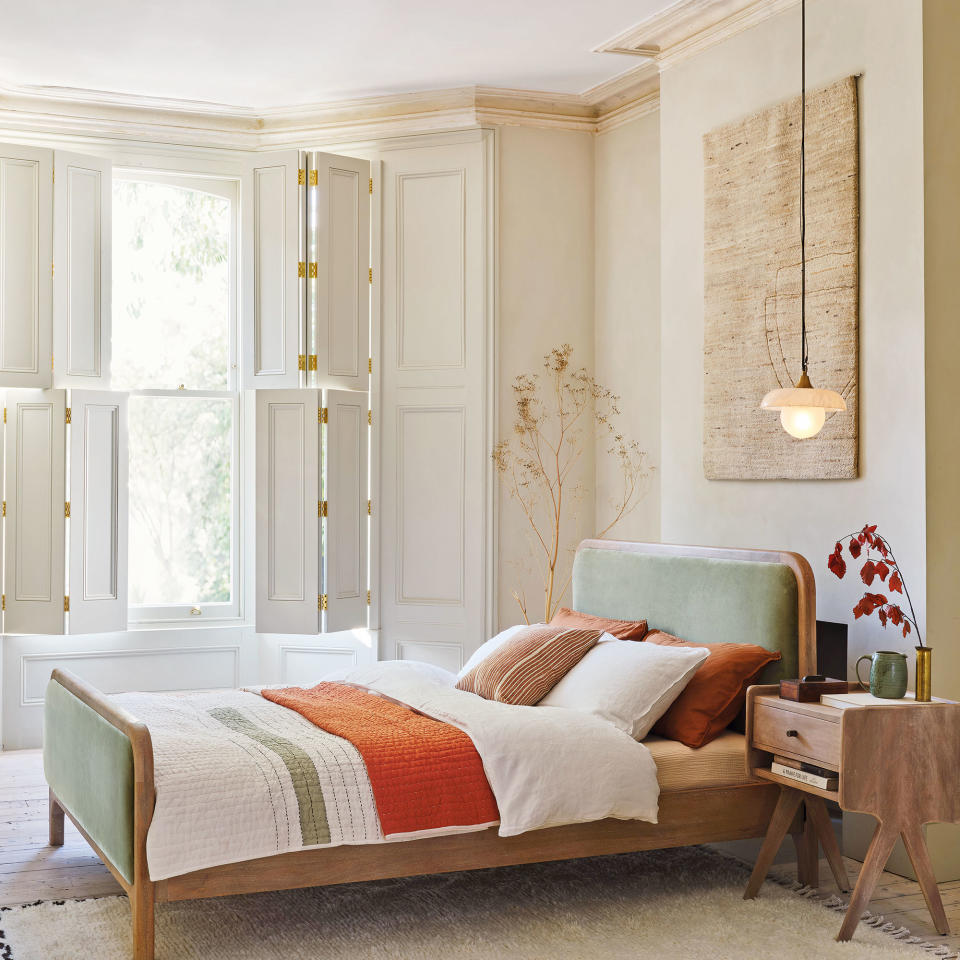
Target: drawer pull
[{"x": 792, "y": 733}]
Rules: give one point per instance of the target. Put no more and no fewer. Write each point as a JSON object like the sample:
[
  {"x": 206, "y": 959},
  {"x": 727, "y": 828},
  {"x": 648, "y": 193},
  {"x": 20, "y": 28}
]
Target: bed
[{"x": 99, "y": 757}]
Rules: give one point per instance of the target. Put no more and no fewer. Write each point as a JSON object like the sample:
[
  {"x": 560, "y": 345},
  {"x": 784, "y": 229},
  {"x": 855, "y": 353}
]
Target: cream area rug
[{"x": 684, "y": 903}]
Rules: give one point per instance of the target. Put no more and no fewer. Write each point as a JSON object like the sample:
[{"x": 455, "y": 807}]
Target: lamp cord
[{"x": 803, "y": 192}]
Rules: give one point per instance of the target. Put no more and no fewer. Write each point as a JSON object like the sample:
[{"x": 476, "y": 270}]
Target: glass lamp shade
[{"x": 803, "y": 409}]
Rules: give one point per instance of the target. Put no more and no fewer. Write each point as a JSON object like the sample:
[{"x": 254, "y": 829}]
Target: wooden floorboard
[{"x": 31, "y": 870}]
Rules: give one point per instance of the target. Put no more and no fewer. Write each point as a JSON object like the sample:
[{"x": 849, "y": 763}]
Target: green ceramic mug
[{"x": 888, "y": 674}]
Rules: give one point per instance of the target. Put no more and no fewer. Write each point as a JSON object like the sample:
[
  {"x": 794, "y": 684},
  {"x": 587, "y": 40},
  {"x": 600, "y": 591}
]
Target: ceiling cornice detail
[
  {"x": 59, "y": 111},
  {"x": 691, "y": 26}
]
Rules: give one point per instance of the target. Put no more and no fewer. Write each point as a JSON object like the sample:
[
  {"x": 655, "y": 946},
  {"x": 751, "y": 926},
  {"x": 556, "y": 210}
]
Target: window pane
[
  {"x": 171, "y": 287},
  {"x": 181, "y": 500}
]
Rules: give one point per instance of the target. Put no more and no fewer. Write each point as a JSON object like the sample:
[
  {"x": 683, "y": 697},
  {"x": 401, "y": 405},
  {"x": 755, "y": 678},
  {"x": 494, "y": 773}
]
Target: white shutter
[
  {"x": 345, "y": 563},
  {"x": 34, "y": 531},
  {"x": 26, "y": 258},
  {"x": 342, "y": 288},
  {"x": 274, "y": 284},
  {"x": 98, "y": 512},
  {"x": 288, "y": 525},
  {"x": 82, "y": 204}
]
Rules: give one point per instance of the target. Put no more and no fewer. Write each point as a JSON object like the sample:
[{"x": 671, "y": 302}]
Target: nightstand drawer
[{"x": 809, "y": 737}]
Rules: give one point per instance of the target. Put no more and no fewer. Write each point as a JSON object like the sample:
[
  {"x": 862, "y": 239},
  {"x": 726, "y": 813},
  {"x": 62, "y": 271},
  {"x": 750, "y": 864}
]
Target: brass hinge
[
  {"x": 370, "y": 275},
  {"x": 51, "y": 271},
  {"x": 4, "y": 414},
  {"x": 66, "y": 604},
  {"x": 301, "y": 176},
  {"x": 314, "y": 177},
  {"x": 369, "y": 364},
  {"x": 312, "y": 362},
  {"x": 66, "y": 509},
  {"x": 4, "y": 508},
  {"x": 313, "y": 271},
  {"x": 301, "y": 268},
  {"x": 3, "y": 601},
  {"x": 322, "y": 414},
  {"x": 369, "y": 418},
  {"x": 301, "y": 361},
  {"x": 69, "y": 416},
  {"x": 371, "y": 184},
  {"x": 368, "y": 598},
  {"x": 322, "y": 602},
  {"x": 321, "y": 508},
  {"x": 369, "y": 508}
]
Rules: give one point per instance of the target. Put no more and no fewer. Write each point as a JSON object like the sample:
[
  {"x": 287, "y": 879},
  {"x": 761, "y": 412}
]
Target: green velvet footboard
[{"x": 88, "y": 763}]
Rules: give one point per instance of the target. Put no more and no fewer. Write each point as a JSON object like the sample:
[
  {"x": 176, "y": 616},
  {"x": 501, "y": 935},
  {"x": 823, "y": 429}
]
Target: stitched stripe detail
[
  {"x": 529, "y": 665},
  {"x": 306, "y": 782}
]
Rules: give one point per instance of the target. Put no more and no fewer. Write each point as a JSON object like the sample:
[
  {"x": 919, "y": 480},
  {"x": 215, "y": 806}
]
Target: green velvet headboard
[{"x": 705, "y": 594}]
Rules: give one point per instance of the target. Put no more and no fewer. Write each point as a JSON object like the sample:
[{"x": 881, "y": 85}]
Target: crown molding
[
  {"x": 691, "y": 26},
  {"x": 60, "y": 112}
]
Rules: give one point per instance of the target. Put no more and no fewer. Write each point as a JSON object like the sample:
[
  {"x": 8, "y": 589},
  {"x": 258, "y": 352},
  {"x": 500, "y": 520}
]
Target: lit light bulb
[{"x": 802, "y": 422}]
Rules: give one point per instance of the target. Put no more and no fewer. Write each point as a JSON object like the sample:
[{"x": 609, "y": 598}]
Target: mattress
[{"x": 720, "y": 763}]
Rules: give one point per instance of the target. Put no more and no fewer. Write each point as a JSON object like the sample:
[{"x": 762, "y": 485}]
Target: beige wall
[
  {"x": 627, "y": 309},
  {"x": 741, "y": 75},
  {"x": 546, "y": 299}
]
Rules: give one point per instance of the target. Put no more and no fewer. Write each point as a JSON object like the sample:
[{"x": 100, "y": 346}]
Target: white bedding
[{"x": 224, "y": 796}]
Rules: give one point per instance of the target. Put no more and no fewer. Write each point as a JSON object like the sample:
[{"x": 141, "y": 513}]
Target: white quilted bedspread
[{"x": 239, "y": 777}]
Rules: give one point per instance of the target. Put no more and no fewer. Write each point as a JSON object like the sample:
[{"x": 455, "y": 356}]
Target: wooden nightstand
[{"x": 898, "y": 763}]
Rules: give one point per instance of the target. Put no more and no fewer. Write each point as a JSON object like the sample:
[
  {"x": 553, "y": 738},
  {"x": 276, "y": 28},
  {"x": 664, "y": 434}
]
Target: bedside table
[{"x": 897, "y": 762}]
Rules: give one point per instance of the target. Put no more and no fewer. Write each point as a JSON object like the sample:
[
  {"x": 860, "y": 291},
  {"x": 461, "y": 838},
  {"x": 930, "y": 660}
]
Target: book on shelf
[
  {"x": 862, "y": 699},
  {"x": 825, "y": 780}
]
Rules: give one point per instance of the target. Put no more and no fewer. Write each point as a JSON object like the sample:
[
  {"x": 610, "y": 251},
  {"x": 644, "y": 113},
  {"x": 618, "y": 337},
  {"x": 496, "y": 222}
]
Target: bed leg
[
  {"x": 141, "y": 907},
  {"x": 56, "y": 822}
]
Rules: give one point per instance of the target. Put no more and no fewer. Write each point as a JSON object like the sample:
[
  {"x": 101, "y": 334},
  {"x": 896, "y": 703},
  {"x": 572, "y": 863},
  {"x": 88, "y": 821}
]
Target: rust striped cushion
[{"x": 525, "y": 669}]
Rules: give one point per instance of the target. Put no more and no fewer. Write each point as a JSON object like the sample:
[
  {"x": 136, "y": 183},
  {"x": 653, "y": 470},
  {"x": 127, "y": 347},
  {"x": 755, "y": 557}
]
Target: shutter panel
[
  {"x": 82, "y": 204},
  {"x": 273, "y": 230},
  {"x": 346, "y": 491},
  {"x": 288, "y": 525},
  {"x": 26, "y": 257},
  {"x": 98, "y": 512},
  {"x": 34, "y": 542},
  {"x": 342, "y": 287}
]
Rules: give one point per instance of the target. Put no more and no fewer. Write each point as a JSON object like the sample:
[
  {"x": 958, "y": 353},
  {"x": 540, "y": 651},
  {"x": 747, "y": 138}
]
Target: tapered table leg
[
  {"x": 786, "y": 809},
  {"x": 817, "y": 815},
  {"x": 884, "y": 837},
  {"x": 808, "y": 855},
  {"x": 916, "y": 846}
]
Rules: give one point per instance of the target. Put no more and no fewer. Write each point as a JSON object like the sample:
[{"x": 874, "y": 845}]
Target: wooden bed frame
[{"x": 685, "y": 817}]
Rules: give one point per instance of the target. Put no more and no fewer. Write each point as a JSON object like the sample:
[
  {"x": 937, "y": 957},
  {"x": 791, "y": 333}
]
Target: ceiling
[{"x": 260, "y": 53}]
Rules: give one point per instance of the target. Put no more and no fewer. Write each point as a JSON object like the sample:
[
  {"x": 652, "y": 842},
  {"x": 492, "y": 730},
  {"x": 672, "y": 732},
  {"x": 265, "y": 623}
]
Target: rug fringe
[{"x": 874, "y": 920}]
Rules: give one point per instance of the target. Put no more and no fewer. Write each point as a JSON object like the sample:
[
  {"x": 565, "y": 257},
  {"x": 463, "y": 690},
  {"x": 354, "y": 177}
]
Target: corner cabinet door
[
  {"x": 82, "y": 205},
  {"x": 342, "y": 287},
  {"x": 274, "y": 270},
  {"x": 97, "y": 559},
  {"x": 346, "y": 492},
  {"x": 26, "y": 258},
  {"x": 34, "y": 531},
  {"x": 288, "y": 522}
]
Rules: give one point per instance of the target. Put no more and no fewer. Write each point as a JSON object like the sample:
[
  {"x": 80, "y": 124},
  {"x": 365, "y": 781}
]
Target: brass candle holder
[{"x": 924, "y": 655}]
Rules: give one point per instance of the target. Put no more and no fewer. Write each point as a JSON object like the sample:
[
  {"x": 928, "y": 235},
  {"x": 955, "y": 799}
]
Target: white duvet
[
  {"x": 546, "y": 765},
  {"x": 224, "y": 795}
]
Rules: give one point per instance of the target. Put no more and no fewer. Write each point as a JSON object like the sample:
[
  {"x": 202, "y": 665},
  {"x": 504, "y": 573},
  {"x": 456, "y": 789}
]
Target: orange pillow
[
  {"x": 621, "y": 629},
  {"x": 716, "y": 692},
  {"x": 525, "y": 668}
]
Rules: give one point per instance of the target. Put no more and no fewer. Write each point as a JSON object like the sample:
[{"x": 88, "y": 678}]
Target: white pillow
[
  {"x": 481, "y": 653},
  {"x": 629, "y": 683}
]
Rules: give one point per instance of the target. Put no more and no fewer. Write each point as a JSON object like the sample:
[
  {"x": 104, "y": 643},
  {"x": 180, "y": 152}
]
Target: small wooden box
[{"x": 809, "y": 691}]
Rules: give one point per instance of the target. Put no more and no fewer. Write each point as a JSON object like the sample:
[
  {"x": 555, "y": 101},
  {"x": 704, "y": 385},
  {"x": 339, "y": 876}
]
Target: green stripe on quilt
[{"x": 306, "y": 782}]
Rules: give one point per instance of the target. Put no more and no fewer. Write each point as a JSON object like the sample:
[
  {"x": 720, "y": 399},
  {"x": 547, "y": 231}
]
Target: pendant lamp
[{"x": 803, "y": 408}]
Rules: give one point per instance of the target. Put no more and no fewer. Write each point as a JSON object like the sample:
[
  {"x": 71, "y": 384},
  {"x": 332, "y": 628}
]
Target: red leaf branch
[{"x": 883, "y": 565}]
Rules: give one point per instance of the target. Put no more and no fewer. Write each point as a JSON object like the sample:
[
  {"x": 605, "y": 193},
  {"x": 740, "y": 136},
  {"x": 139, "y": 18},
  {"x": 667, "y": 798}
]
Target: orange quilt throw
[{"x": 425, "y": 774}]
